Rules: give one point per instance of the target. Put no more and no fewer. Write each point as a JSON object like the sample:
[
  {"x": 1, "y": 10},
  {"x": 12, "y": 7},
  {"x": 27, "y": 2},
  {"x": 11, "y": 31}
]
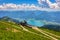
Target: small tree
[{"x": 23, "y": 23}]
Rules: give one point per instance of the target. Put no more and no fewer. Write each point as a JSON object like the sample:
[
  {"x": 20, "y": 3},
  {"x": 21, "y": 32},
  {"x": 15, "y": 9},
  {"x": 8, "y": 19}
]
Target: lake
[{"x": 35, "y": 23}]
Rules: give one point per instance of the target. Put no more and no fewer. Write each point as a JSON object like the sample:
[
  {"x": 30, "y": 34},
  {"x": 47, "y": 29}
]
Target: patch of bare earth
[
  {"x": 15, "y": 30},
  {"x": 8, "y": 29}
]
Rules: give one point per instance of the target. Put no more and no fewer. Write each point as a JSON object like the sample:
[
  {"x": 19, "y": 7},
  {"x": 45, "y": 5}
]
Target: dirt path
[
  {"x": 33, "y": 32},
  {"x": 28, "y": 30},
  {"x": 53, "y": 38},
  {"x": 50, "y": 34}
]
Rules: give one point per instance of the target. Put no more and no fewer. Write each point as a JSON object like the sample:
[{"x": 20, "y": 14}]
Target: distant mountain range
[
  {"x": 37, "y": 15},
  {"x": 6, "y": 18}
]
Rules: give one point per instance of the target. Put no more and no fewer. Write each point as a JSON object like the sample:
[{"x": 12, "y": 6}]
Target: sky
[
  {"x": 29, "y": 4},
  {"x": 19, "y": 1},
  {"x": 53, "y": 1},
  {"x": 22, "y": 1}
]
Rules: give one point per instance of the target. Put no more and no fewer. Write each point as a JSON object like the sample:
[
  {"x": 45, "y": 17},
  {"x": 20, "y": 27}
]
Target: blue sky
[
  {"x": 19, "y": 1},
  {"x": 22, "y": 1},
  {"x": 53, "y": 1}
]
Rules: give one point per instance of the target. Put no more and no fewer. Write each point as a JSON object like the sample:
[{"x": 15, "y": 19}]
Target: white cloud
[
  {"x": 53, "y": 5},
  {"x": 1, "y": 7},
  {"x": 40, "y": 1},
  {"x": 50, "y": 4},
  {"x": 32, "y": 6},
  {"x": 20, "y": 6},
  {"x": 58, "y": 2},
  {"x": 8, "y": 6},
  {"x": 11, "y": 6}
]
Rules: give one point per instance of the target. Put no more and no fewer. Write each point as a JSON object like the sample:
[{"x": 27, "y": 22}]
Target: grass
[
  {"x": 51, "y": 31},
  {"x": 23, "y": 35},
  {"x": 35, "y": 31}
]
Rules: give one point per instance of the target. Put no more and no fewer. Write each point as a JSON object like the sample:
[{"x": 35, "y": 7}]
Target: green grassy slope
[
  {"x": 51, "y": 31},
  {"x": 7, "y": 33}
]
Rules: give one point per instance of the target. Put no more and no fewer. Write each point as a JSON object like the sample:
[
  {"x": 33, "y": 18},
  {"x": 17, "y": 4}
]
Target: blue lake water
[{"x": 35, "y": 23}]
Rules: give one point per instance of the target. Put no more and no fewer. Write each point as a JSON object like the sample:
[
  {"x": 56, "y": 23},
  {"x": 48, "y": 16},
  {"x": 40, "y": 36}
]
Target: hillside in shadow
[{"x": 52, "y": 27}]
